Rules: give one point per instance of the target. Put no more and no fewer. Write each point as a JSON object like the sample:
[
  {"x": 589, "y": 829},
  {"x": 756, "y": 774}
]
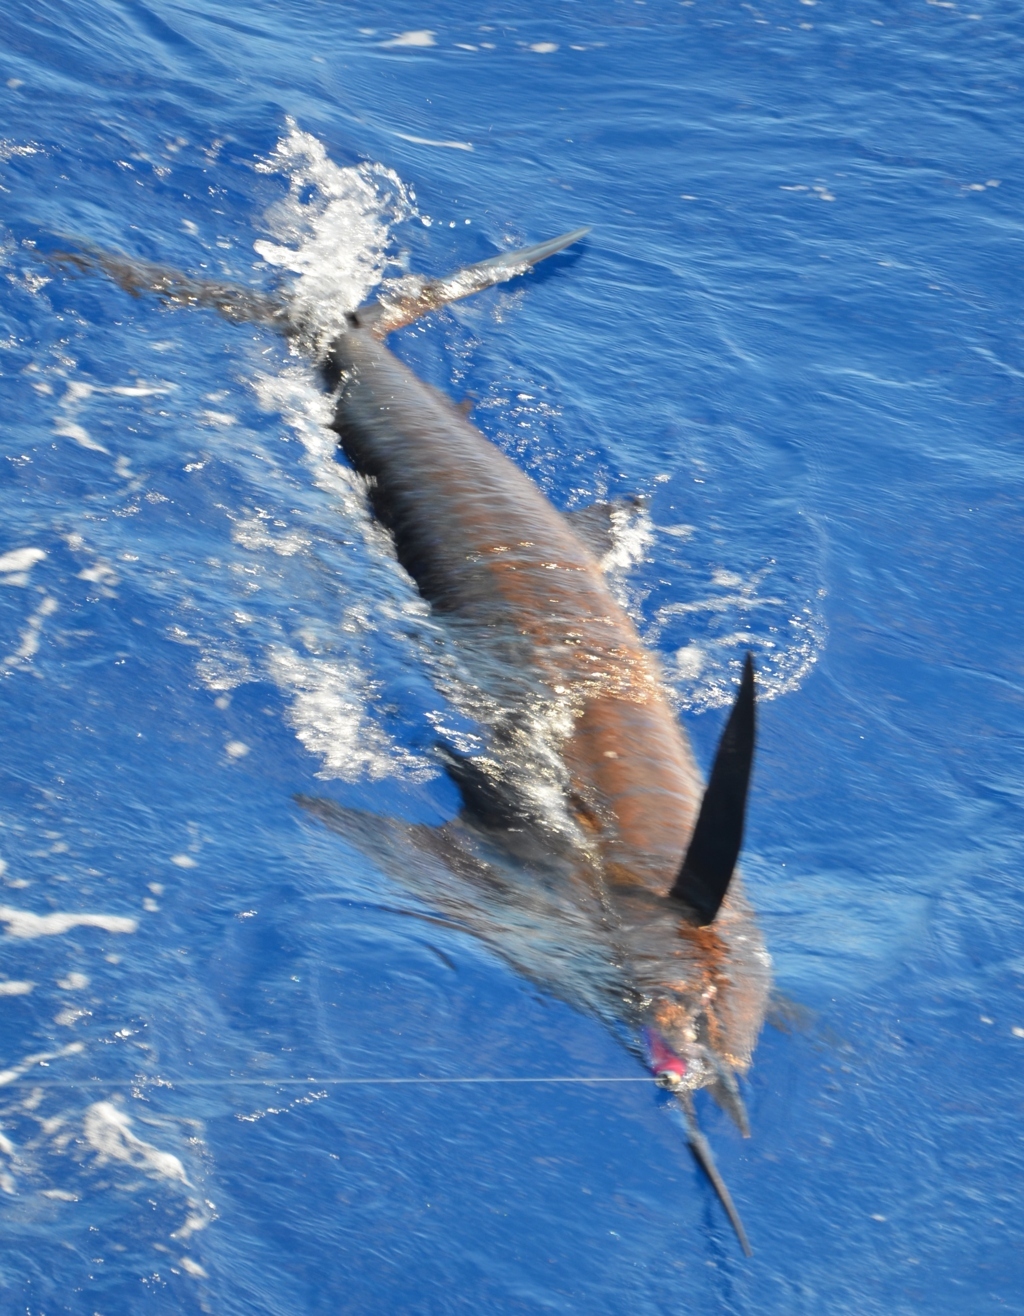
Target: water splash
[
  {"x": 332, "y": 230},
  {"x": 735, "y": 613}
]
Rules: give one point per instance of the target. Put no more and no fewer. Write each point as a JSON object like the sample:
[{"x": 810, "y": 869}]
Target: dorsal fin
[{"x": 715, "y": 844}]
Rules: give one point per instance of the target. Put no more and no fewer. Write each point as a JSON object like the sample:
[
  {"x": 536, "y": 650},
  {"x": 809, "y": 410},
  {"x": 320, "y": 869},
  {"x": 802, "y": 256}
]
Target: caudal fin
[
  {"x": 137, "y": 276},
  {"x": 416, "y": 297},
  {"x": 409, "y": 299}
]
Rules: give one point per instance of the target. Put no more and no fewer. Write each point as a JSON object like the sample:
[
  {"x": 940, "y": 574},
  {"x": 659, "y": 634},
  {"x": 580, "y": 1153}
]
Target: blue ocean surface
[{"x": 796, "y": 330}]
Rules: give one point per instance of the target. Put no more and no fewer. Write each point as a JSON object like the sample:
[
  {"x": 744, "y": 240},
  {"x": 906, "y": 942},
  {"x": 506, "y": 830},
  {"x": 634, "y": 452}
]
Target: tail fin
[
  {"x": 410, "y": 299},
  {"x": 136, "y": 276},
  {"x": 417, "y": 297}
]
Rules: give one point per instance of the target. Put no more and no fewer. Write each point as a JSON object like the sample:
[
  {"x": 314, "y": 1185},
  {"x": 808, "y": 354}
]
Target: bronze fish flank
[{"x": 587, "y": 851}]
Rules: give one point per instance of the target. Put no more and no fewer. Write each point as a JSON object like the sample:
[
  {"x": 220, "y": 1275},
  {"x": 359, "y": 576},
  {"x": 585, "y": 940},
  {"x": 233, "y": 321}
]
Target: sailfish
[{"x": 588, "y": 850}]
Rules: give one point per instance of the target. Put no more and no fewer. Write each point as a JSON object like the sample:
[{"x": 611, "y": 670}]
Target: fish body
[
  {"x": 541, "y": 631},
  {"x": 567, "y": 856}
]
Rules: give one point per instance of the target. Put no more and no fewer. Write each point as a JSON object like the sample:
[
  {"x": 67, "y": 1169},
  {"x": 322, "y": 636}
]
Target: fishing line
[{"x": 156, "y": 1083}]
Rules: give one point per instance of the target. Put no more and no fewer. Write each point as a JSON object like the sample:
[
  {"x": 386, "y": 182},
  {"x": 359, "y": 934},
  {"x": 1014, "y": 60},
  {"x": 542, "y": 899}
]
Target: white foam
[
  {"x": 9, "y": 149},
  {"x": 332, "y": 229},
  {"x": 108, "y": 1131},
  {"x": 690, "y": 661},
  {"x": 308, "y": 413},
  {"x": 735, "y": 614},
  {"x": 20, "y": 559},
  {"x": 13, "y": 987},
  {"x": 421, "y": 37},
  {"x": 254, "y": 533},
  {"x": 331, "y": 698},
  {"x": 26, "y": 925},
  {"x": 69, "y": 429},
  {"x": 67, "y": 424},
  {"x": 40, "y": 1058},
  {"x": 69, "y": 1017},
  {"x": 99, "y": 574},
  {"x": 194, "y": 1222},
  {"x": 431, "y": 141},
  {"x": 30, "y": 636},
  {"x": 632, "y": 533}
]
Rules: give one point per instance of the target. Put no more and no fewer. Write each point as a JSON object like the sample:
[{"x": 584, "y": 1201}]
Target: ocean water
[{"x": 796, "y": 329}]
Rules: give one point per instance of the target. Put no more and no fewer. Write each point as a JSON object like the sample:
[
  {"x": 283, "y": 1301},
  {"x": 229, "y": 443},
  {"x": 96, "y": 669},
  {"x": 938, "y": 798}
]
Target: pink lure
[{"x": 664, "y": 1063}]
